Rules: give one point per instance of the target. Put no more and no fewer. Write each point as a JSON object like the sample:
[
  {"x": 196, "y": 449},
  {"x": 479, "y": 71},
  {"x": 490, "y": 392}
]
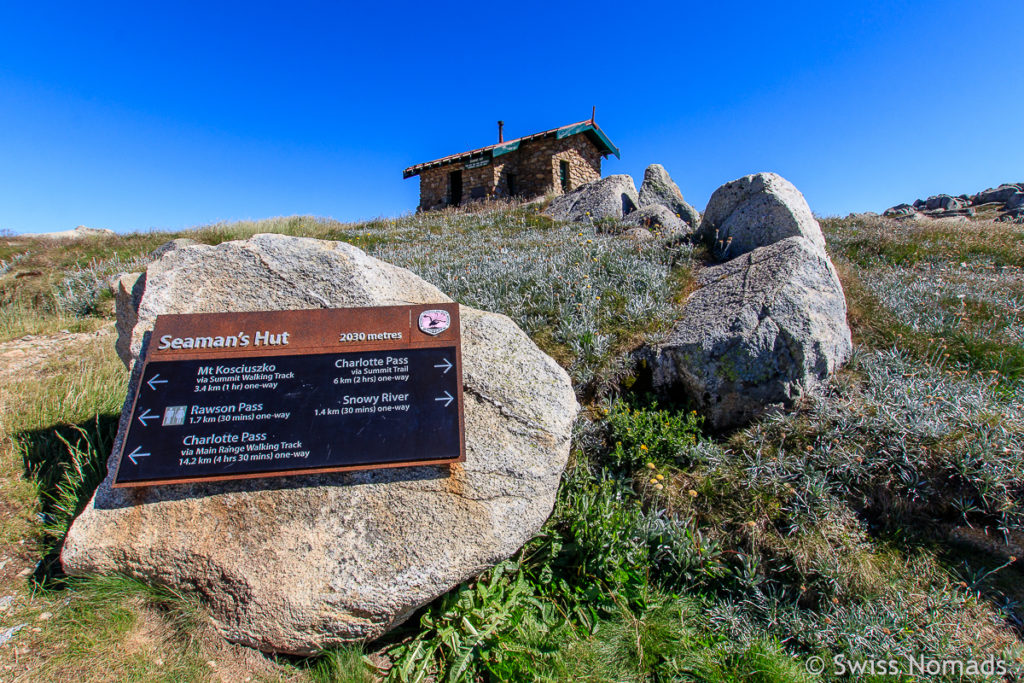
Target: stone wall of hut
[{"x": 531, "y": 171}]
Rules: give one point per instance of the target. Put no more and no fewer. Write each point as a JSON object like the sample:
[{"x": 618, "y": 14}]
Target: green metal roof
[
  {"x": 505, "y": 148},
  {"x": 588, "y": 128},
  {"x": 595, "y": 134}
]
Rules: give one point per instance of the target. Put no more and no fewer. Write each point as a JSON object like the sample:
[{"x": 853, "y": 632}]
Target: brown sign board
[{"x": 258, "y": 394}]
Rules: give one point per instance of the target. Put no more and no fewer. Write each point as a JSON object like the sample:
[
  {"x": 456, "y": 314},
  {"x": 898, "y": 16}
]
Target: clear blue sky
[{"x": 173, "y": 114}]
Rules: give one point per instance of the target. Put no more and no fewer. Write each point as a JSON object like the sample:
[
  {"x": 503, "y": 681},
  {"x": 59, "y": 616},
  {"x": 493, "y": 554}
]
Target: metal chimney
[{"x": 501, "y": 136}]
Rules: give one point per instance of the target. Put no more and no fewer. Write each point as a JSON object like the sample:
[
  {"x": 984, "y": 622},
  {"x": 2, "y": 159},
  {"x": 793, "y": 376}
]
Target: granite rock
[
  {"x": 756, "y": 211},
  {"x": 659, "y": 219},
  {"x": 761, "y": 331},
  {"x": 658, "y": 188},
  {"x": 298, "y": 564},
  {"x": 611, "y": 197}
]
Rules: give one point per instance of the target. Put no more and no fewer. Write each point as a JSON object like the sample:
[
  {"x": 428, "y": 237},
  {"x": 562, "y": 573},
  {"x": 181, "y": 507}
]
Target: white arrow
[
  {"x": 135, "y": 454},
  {"x": 146, "y": 416},
  {"x": 153, "y": 380},
  {"x": 447, "y": 366},
  {"x": 447, "y": 398}
]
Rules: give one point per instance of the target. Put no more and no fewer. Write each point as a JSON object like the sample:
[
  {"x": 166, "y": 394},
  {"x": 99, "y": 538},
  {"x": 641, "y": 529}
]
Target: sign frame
[{"x": 310, "y": 332}]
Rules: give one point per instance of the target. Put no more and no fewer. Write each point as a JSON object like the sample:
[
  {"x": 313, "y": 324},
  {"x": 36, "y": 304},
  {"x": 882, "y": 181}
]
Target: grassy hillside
[{"x": 880, "y": 521}]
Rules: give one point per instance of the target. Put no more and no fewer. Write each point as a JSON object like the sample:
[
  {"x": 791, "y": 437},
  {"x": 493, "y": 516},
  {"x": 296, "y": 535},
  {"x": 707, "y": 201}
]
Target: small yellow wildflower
[
  {"x": 693, "y": 494},
  {"x": 660, "y": 477},
  {"x": 643, "y": 447},
  {"x": 650, "y": 465}
]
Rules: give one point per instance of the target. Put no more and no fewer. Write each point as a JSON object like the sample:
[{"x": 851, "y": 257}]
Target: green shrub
[
  {"x": 496, "y": 626},
  {"x": 647, "y": 435}
]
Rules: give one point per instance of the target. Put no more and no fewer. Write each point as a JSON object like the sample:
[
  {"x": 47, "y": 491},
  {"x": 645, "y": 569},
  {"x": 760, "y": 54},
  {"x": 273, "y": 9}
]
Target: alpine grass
[{"x": 879, "y": 520}]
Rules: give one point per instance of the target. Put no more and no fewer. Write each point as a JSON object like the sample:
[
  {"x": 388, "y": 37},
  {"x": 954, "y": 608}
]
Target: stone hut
[{"x": 552, "y": 162}]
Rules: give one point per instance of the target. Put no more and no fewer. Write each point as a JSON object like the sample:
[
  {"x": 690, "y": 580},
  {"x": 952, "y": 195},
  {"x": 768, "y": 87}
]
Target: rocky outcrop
[
  {"x": 959, "y": 212},
  {"x": 901, "y": 211},
  {"x": 944, "y": 202},
  {"x": 1000, "y": 203},
  {"x": 754, "y": 211},
  {"x": 760, "y": 331},
  {"x": 658, "y": 189},
  {"x": 611, "y": 197},
  {"x": 81, "y": 232},
  {"x": 171, "y": 246},
  {"x": 658, "y": 207},
  {"x": 657, "y": 218},
  {"x": 766, "y": 327},
  {"x": 997, "y": 195},
  {"x": 307, "y": 562}
]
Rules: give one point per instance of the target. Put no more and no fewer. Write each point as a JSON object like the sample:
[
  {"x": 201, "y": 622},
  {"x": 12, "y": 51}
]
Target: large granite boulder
[
  {"x": 657, "y": 218},
  {"x": 754, "y": 211},
  {"x": 760, "y": 331},
  {"x": 900, "y": 211},
  {"x": 302, "y": 563},
  {"x": 611, "y": 197},
  {"x": 944, "y": 202},
  {"x": 658, "y": 189},
  {"x": 1015, "y": 201},
  {"x": 997, "y": 194},
  {"x": 767, "y": 326}
]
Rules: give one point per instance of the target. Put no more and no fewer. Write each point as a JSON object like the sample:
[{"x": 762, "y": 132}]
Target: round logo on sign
[{"x": 434, "y": 322}]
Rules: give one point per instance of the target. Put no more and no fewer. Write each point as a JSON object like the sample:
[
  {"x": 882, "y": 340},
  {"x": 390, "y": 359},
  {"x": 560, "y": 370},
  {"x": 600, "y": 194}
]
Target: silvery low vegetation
[{"x": 881, "y": 520}]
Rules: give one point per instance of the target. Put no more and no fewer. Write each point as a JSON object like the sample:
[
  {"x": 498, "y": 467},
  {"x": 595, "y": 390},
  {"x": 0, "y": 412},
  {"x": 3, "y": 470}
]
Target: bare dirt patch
[{"x": 32, "y": 352}]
